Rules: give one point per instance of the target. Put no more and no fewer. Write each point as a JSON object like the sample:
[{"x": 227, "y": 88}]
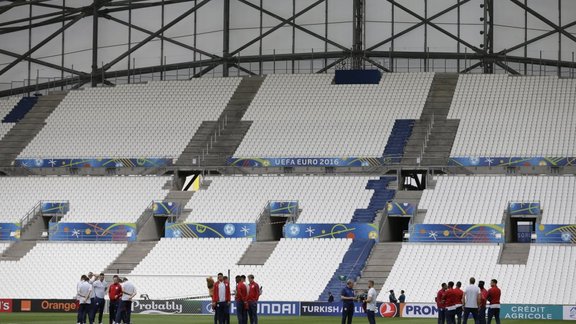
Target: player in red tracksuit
[
  {"x": 460, "y": 295},
  {"x": 494, "y": 299},
  {"x": 221, "y": 299},
  {"x": 240, "y": 299},
  {"x": 114, "y": 293},
  {"x": 482, "y": 306},
  {"x": 252, "y": 300},
  {"x": 441, "y": 305},
  {"x": 450, "y": 301}
]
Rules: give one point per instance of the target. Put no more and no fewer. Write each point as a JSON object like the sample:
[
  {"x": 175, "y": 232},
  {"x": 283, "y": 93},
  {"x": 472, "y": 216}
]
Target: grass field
[{"x": 19, "y": 318}]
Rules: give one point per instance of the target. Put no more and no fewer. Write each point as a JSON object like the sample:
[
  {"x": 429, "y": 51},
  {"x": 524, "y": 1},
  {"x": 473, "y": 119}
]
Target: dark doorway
[
  {"x": 394, "y": 228},
  {"x": 522, "y": 229}
]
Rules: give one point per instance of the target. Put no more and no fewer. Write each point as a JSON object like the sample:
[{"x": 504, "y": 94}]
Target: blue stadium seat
[
  {"x": 399, "y": 136},
  {"x": 378, "y": 201},
  {"x": 351, "y": 267},
  {"x": 20, "y": 110}
]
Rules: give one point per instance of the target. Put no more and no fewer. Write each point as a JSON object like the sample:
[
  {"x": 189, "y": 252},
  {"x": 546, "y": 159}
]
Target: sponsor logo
[
  {"x": 422, "y": 310},
  {"x": 328, "y": 309},
  {"x": 569, "y": 313},
  {"x": 209, "y": 309},
  {"x": 156, "y": 307},
  {"x": 58, "y": 306},
  {"x": 5, "y": 305},
  {"x": 388, "y": 310},
  {"x": 26, "y": 305},
  {"x": 531, "y": 312}
]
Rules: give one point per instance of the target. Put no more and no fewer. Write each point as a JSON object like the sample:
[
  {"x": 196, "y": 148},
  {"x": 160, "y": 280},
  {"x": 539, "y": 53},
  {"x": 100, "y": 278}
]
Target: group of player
[
  {"x": 90, "y": 293},
  {"x": 246, "y": 297},
  {"x": 455, "y": 304}
]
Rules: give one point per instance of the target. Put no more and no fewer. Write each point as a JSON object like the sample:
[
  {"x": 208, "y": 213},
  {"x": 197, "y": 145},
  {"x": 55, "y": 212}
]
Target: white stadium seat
[
  {"x": 508, "y": 116},
  {"x": 323, "y": 199},
  {"x": 92, "y": 199},
  {"x": 6, "y": 105},
  {"x": 178, "y": 267},
  {"x": 306, "y": 115},
  {"x": 156, "y": 119},
  {"x": 52, "y": 270},
  {"x": 421, "y": 268},
  {"x": 484, "y": 199}
]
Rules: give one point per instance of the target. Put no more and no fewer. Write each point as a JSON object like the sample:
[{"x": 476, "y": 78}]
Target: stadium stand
[
  {"x": 351, "y": 266},
  {"x": 6, "y": 105},
  {"x": 92, "y": 199},
  {"x": 51, "y": 259},
  {"x": 483, "y": 199},
  {"x": 378, "y": 201},
  {"x": 156, "y": 119},
  {"x": 508, "y": 116},
  {"x": 307, "y": 116},
  {"x": 20, "y": 110},
  {"x": 322, "y": 199},
  {"x": 166, "y": 271},
  {"x": 521, "y": 284}
]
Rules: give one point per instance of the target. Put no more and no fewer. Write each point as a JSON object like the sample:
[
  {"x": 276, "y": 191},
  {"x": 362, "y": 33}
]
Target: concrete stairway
[
  {"x": 257, "y": 253},
  {"x": 17, "y": 250},
  {"x": 379, "y": 265},
  {"x": 433, "y": 134},
  {"x": 215, "y": 141},
  {"x": 24, "y": 131},
  {"x": 134, "y": 253},
  {"x": 514, "y": 253},
  {"x": 151, "y": 228}
]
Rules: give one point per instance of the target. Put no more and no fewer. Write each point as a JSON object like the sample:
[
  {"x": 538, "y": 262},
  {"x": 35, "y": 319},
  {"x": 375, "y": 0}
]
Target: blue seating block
[
  {"x": 351, "y": 266},
  {"x": 20, "y": 110}
]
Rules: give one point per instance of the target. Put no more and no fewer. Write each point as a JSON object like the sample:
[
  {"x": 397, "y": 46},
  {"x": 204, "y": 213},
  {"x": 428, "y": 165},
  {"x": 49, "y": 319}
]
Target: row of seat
[
  {"x": 364, "y": 115},
  {"x": 322, "y": 199},
  {"x": 131, "y": 121},
  {"x": 178, "y": 267},
  {"x": 509, "y": 116},
  {"x": 521, "y": 284},
  {"x": 484, "y": 199},
  {"x": 52, "y": 270},
  {"x": 92, "y": 199}
]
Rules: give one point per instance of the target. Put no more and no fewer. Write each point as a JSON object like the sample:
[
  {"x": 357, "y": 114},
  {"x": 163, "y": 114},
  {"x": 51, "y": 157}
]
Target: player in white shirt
[
  {"x": 83, "y": 291},
  {"x": 99, "y": 287},
  {"x": 471, "y": 299},
  {"x": 125, "y": 308},
  {"x": 371, "y": 302}
]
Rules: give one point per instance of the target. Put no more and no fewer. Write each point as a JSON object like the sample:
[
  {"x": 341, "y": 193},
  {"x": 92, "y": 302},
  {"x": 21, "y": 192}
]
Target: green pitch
[{"x": 20, "y": 318}]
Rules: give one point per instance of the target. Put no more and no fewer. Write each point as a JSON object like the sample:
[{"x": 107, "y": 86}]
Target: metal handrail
[{"x": 30, "y": 214}]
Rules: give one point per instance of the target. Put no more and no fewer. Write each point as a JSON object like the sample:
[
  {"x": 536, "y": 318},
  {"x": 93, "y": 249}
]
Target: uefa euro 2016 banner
[
  {"x": 210, "y": 230},
  {"x": 94, "y": 163},
  {"x": 555, "y": 233},
  {"x": 458, "y": 233},
  {"x": 92, "y": 231},
  {"x": 524, "y": 208},
  {"x": 165, "y": 208},
  {"x": 307, "y": 162},
  {"x": 512, "y": 161},
  {"x": 283, "y": 208},
  {"x": 352, "y": 231},
  {"x": 10, "y": 231},
  {"x": 400, "y": 209},
  {"x": 54, "y": 207}
]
